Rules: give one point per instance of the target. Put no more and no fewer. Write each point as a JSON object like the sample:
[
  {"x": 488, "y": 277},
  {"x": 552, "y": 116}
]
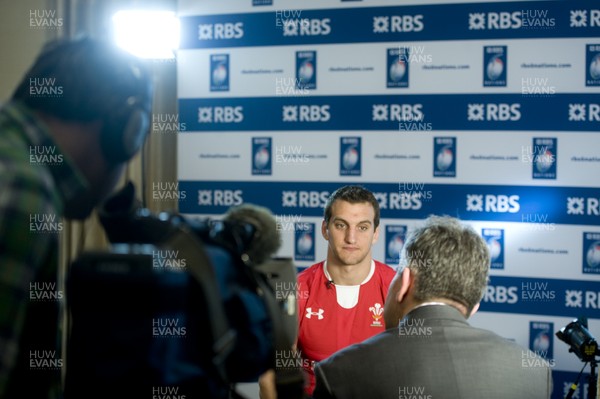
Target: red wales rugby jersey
[{"x": 333, "y": 317}]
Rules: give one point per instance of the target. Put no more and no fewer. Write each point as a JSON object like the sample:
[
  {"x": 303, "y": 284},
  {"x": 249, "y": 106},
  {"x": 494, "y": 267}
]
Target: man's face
[{"x": 350, "y": 232}]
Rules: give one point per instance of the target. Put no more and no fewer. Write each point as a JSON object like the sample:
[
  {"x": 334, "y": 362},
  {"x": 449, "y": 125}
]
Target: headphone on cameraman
[{"x": 126, "y": 124}]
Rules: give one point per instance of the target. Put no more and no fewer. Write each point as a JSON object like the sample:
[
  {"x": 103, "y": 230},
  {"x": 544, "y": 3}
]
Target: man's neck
[
  {"x": 439, "y": 301},
  {"x": 349, "y": 274}
]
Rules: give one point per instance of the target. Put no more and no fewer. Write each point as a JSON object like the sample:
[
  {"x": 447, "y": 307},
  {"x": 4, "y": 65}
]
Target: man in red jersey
[{"x": 340, "y": 300}]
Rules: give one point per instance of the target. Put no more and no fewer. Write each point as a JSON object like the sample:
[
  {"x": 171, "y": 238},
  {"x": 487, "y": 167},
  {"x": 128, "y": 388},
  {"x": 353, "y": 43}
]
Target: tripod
[{"x": 592, "y": 381}]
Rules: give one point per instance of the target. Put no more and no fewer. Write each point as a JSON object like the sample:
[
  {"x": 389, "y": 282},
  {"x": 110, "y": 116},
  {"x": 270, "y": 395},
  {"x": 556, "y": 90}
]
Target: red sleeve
[{"x": 305, "y": 280}]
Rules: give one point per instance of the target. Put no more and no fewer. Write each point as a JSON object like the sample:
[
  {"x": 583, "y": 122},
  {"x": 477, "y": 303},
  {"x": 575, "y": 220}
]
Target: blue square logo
[
  {"x": 544, "y": 158},
  {"x": 219, "y": 72},
  {"x": 395, "y": 236},
  {"x": 541, "y": 337},
  {"x": 591, "y": 253},
  {"x": 592, "y": 62},
  {"x": 350, "y": 156},
  {"x": 306, "y": 70},
  {"x": 494, "y": 239},
  {"x": 304, "y": 241},
  {"x": 494, "y": 66},
  {"x": 444, "y": 157},
  {"x": 262, "y": 156},
  {"x": 397, "y": 67}
]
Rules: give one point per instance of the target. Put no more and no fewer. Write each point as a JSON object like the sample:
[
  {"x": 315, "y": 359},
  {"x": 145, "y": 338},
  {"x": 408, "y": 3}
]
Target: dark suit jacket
[{"x": 434, "y": 354}]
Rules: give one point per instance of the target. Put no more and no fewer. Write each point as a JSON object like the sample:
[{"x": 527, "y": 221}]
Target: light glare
[{"x": 147, "y": 34}]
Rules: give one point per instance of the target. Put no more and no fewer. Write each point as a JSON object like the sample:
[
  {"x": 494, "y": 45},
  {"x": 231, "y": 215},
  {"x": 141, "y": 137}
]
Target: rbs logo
[
  {"x": 306, "y": 113},
  {"x": 501, "y": 294},
  {"x": 493, "y": 203},
  {"x": 495, "y": 20},
  {"x": 304, "y": 199},
  {"x": 220, "y": 197},
  {"x": 405, "y": 201},
  {"x": 397, "y": 112},
  {"x": 306, "y": 27},
  {"x": 527, "y": 19},
  {"x": 494, "y": 112},
  {"x": 220, "y": 114},
  {"x": 227, "y": 30},
  {"x": 398, "y": 23}
]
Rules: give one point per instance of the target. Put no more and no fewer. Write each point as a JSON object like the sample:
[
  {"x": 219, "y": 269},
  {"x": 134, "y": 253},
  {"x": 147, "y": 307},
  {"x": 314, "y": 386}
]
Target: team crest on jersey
[
  {"x": 376, "y": 314},
  {"x": 310, "y": 313}
]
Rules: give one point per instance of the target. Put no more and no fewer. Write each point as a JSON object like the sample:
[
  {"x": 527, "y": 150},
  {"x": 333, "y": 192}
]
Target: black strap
[{"x": 201, "y": 269}]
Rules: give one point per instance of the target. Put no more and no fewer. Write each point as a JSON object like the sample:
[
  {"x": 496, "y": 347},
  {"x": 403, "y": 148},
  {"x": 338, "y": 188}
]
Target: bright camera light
[{"x": 147, "y": 34}]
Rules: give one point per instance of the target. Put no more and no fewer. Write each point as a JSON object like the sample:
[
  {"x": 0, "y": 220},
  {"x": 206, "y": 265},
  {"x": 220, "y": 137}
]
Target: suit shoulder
[
  {"x": 500, "y": 344},
  {"x": 371, "y": 348}
]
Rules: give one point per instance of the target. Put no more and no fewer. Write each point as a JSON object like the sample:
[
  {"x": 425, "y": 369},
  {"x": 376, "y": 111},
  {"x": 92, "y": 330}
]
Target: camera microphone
[{"x": 265, "y": 240}]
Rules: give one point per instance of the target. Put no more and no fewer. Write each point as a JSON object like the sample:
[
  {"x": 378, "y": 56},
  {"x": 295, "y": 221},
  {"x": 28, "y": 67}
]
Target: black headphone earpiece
[
  {"x": 127, "y": 123},
  {"x": 125, "y": 130}
]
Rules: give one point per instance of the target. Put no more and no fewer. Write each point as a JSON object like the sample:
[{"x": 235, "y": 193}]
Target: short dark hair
[
  {"x": 94, "y": 76},
  {"x": 354, "y": 195}
]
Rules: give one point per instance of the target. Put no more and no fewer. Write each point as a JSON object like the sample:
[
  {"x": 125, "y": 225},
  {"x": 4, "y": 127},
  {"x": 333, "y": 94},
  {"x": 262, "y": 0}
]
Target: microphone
[
  {"x": 265, "y": 240},
  {"x": 329, "y": 283}
]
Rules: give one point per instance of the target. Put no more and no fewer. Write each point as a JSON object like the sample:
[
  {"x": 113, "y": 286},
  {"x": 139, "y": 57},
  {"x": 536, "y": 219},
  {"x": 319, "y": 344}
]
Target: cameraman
[{"x": 79, "y": 114}]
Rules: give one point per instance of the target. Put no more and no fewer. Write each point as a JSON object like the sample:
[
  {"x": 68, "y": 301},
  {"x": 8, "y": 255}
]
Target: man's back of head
[
  {"x": 93, "y": 80},
  {"x": 449, "y": 260}
]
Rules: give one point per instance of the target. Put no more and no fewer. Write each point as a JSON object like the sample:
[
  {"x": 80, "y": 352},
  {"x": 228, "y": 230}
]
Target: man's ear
[
  {"x": 475, "y": 309},
  {"x": 324, "y": 230},
  {"x": 407, "y": 279},
  {"x": 375, "y": 235}
]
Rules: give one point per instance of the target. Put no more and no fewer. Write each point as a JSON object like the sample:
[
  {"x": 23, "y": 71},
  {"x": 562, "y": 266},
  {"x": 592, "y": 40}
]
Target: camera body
[{"x": 174, "y": 307}]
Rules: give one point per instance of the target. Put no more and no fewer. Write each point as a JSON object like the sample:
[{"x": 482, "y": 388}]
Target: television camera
[{"x": 178, "y": 307}]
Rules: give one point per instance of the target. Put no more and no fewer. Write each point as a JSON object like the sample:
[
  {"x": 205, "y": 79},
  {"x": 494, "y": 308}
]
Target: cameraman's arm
[{"x": 26, "y": 255}]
